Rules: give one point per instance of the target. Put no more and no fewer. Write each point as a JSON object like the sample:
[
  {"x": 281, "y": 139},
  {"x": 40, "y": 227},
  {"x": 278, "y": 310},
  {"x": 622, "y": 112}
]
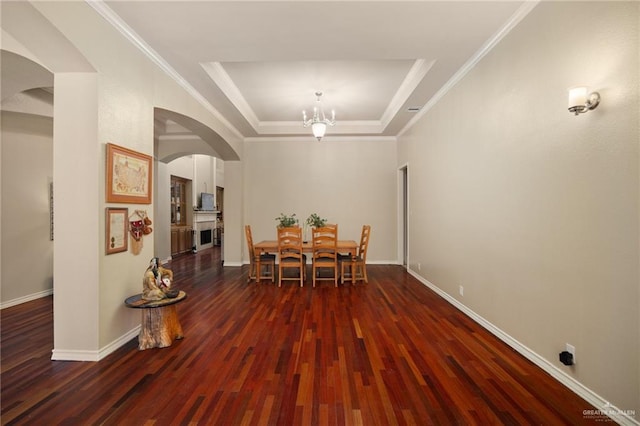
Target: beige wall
[
  {"x": 348, "y": 183},
  {"x": 162, "y": 210},
  {"x": 118, "y": 101},
  {"x": 77, "y": 215},
  {"x": 183, "y": 167},
  {"x": 204, "y": 172},
  {"x": 535, "y": 211}
]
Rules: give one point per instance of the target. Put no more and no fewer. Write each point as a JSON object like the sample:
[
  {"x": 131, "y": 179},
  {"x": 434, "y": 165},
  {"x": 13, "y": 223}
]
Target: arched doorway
[
  {"x": 26, "y": 258},
  {"x": 177, "y": 136}
]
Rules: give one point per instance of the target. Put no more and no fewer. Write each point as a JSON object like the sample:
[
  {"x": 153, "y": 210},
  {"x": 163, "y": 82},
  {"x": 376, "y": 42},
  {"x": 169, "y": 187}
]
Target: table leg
[{"x": 353, "y": 268}]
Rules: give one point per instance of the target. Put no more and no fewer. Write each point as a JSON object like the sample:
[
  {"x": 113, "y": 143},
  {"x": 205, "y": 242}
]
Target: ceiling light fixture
[{"x": 318, "y": 122}]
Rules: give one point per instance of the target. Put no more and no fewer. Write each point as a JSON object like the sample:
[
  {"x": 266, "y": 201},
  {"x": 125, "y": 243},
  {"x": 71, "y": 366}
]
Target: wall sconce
[{"x": 580, "y": 101}]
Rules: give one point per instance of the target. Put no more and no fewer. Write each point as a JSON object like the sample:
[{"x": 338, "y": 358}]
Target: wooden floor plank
[{"x": 385, "y": 353}]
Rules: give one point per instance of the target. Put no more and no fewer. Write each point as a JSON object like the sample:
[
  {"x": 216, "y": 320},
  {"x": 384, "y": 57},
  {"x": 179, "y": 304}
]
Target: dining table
[
  {"x": 349, "y": 247},
  {"x": 343, "y": 246}
]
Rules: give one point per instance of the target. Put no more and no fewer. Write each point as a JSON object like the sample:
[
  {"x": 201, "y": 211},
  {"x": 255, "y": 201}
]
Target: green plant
[
  {"x": 316, "y": 221},
  {"x": 285, "y": 221}
]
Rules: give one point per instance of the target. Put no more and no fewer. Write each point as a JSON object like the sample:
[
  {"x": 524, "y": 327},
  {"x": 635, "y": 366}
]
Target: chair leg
[
  {"x": 250, "y": 277},
  {"x": 270, "y": 271}
]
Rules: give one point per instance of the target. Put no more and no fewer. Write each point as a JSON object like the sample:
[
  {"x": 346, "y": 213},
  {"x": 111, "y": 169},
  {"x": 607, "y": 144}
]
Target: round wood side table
[{"x": 160, "y": 324}]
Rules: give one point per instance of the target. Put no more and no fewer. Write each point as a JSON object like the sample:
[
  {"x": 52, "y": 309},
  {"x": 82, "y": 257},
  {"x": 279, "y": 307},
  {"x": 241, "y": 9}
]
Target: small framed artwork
[
  {"x": 129, "y": 176},
  {"x": 116, "y": 230}
]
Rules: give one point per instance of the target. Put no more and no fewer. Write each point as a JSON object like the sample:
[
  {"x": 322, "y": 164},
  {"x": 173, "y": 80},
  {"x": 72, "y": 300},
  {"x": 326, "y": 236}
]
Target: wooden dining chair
[
  {"x": 325, "y": 254},
  {"x": 290, "y": 253},
  {"x": 357, "y": 264},
  {"x": 258, "y": 261}
]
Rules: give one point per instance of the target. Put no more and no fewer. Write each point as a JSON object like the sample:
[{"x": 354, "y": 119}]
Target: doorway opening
[{"x": 403, "y": 215}]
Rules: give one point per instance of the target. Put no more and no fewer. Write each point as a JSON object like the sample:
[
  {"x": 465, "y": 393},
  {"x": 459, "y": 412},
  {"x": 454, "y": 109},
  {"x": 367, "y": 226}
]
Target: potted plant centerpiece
[
  {"x": 316, "y": 221},
  {"x": 285, "y": 221},
  {"x": 313, "y": 221}
]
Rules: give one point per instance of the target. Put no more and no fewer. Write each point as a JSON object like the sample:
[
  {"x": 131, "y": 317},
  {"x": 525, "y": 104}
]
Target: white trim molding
[
  {"x": 119, "y": 342},
  {"x": 25, "y": 299},
  {"x": 515, "y": 19},
  {"x": 76, "y": 355},
  {"x": 414, "y": 77},
  {"x": 112, "y": 18}
]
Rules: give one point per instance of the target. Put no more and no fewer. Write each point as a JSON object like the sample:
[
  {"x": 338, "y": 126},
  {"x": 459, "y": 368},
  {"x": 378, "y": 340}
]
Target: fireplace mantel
[
  {"x": 205, "y": 216},
  {"x": 205, "y": 221}
]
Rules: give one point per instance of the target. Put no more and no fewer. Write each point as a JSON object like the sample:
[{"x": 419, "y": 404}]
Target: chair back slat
[
  {"x": 290, "y": 242},
  {"x": 290, "y": 252},
  {"x": 364, "y": 242},
  {"x": 257, "y": 262},
  {"x": 325, "y": 251},
  {"x": 251, "y": 252},
  {"x": 324, "y": 242}
]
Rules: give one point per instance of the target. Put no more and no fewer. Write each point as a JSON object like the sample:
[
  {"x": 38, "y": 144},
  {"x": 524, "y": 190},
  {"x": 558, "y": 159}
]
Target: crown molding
[
  {"x": 295, "y": 127},
  {"x": 221, "y": 78},
  {"x": 112, "y": 18},
  {"x": 326, "y": 139},
  {"x": 514, "y": 20},
  {"x": 413, "y": 78}
]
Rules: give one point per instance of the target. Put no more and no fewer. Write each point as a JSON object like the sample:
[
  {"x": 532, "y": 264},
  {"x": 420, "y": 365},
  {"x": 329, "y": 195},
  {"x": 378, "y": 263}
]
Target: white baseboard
[
  {"x": 121, "y": 341},
  {"x": 75, "y": 355},
  {"x": 27, "y": 298},
  {"x": 232, "y": 263},
  {"x": 603, "y": 407}
]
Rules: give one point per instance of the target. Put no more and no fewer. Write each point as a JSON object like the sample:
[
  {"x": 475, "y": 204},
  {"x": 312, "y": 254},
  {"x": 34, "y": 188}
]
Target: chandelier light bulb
[{"x": 318, "y": 122}]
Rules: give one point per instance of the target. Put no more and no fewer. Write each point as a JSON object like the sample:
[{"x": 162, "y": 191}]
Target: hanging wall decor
[
  {"x": 128, "y": 176},
  {"x": 139, "y": 226}
]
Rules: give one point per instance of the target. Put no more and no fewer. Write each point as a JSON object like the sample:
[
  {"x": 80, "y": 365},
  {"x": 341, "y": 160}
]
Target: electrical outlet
[
  {"x": 419, "y": 266},
  {"x": 572, "y": 350},
  {"x": 461, "y": 290}
]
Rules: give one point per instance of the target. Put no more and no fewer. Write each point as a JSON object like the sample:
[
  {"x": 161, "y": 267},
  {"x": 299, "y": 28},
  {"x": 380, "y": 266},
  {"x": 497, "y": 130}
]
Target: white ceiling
[{"x": 259, "y": 63}]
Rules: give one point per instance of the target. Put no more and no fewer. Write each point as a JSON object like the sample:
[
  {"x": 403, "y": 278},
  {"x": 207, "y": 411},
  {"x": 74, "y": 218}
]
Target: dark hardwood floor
[{"x": 389, "y": 352}]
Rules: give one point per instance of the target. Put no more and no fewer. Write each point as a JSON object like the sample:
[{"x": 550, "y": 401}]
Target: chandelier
[{"x": 318, "y": 122}]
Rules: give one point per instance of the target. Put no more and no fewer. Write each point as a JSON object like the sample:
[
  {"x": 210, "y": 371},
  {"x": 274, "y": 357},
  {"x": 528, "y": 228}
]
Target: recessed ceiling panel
[
  {"x": 258, "y": 63},
  {"x": 356, "y": 90}
]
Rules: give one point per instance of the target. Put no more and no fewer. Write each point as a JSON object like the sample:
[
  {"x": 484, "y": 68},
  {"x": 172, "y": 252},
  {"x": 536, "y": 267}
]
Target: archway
[
  {"x": 177, "y": 135},
  {"x": 27, "y": 175}
]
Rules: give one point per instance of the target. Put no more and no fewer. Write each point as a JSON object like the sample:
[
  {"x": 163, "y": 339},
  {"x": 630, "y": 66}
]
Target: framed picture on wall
[
  {"x": 128, "y": 176},
  {"x": 116, "y": 224}
]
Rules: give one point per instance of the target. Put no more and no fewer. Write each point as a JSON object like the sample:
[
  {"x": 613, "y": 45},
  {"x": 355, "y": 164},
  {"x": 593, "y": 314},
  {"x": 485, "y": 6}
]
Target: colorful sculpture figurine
[{"x": 157, "y": 281}]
